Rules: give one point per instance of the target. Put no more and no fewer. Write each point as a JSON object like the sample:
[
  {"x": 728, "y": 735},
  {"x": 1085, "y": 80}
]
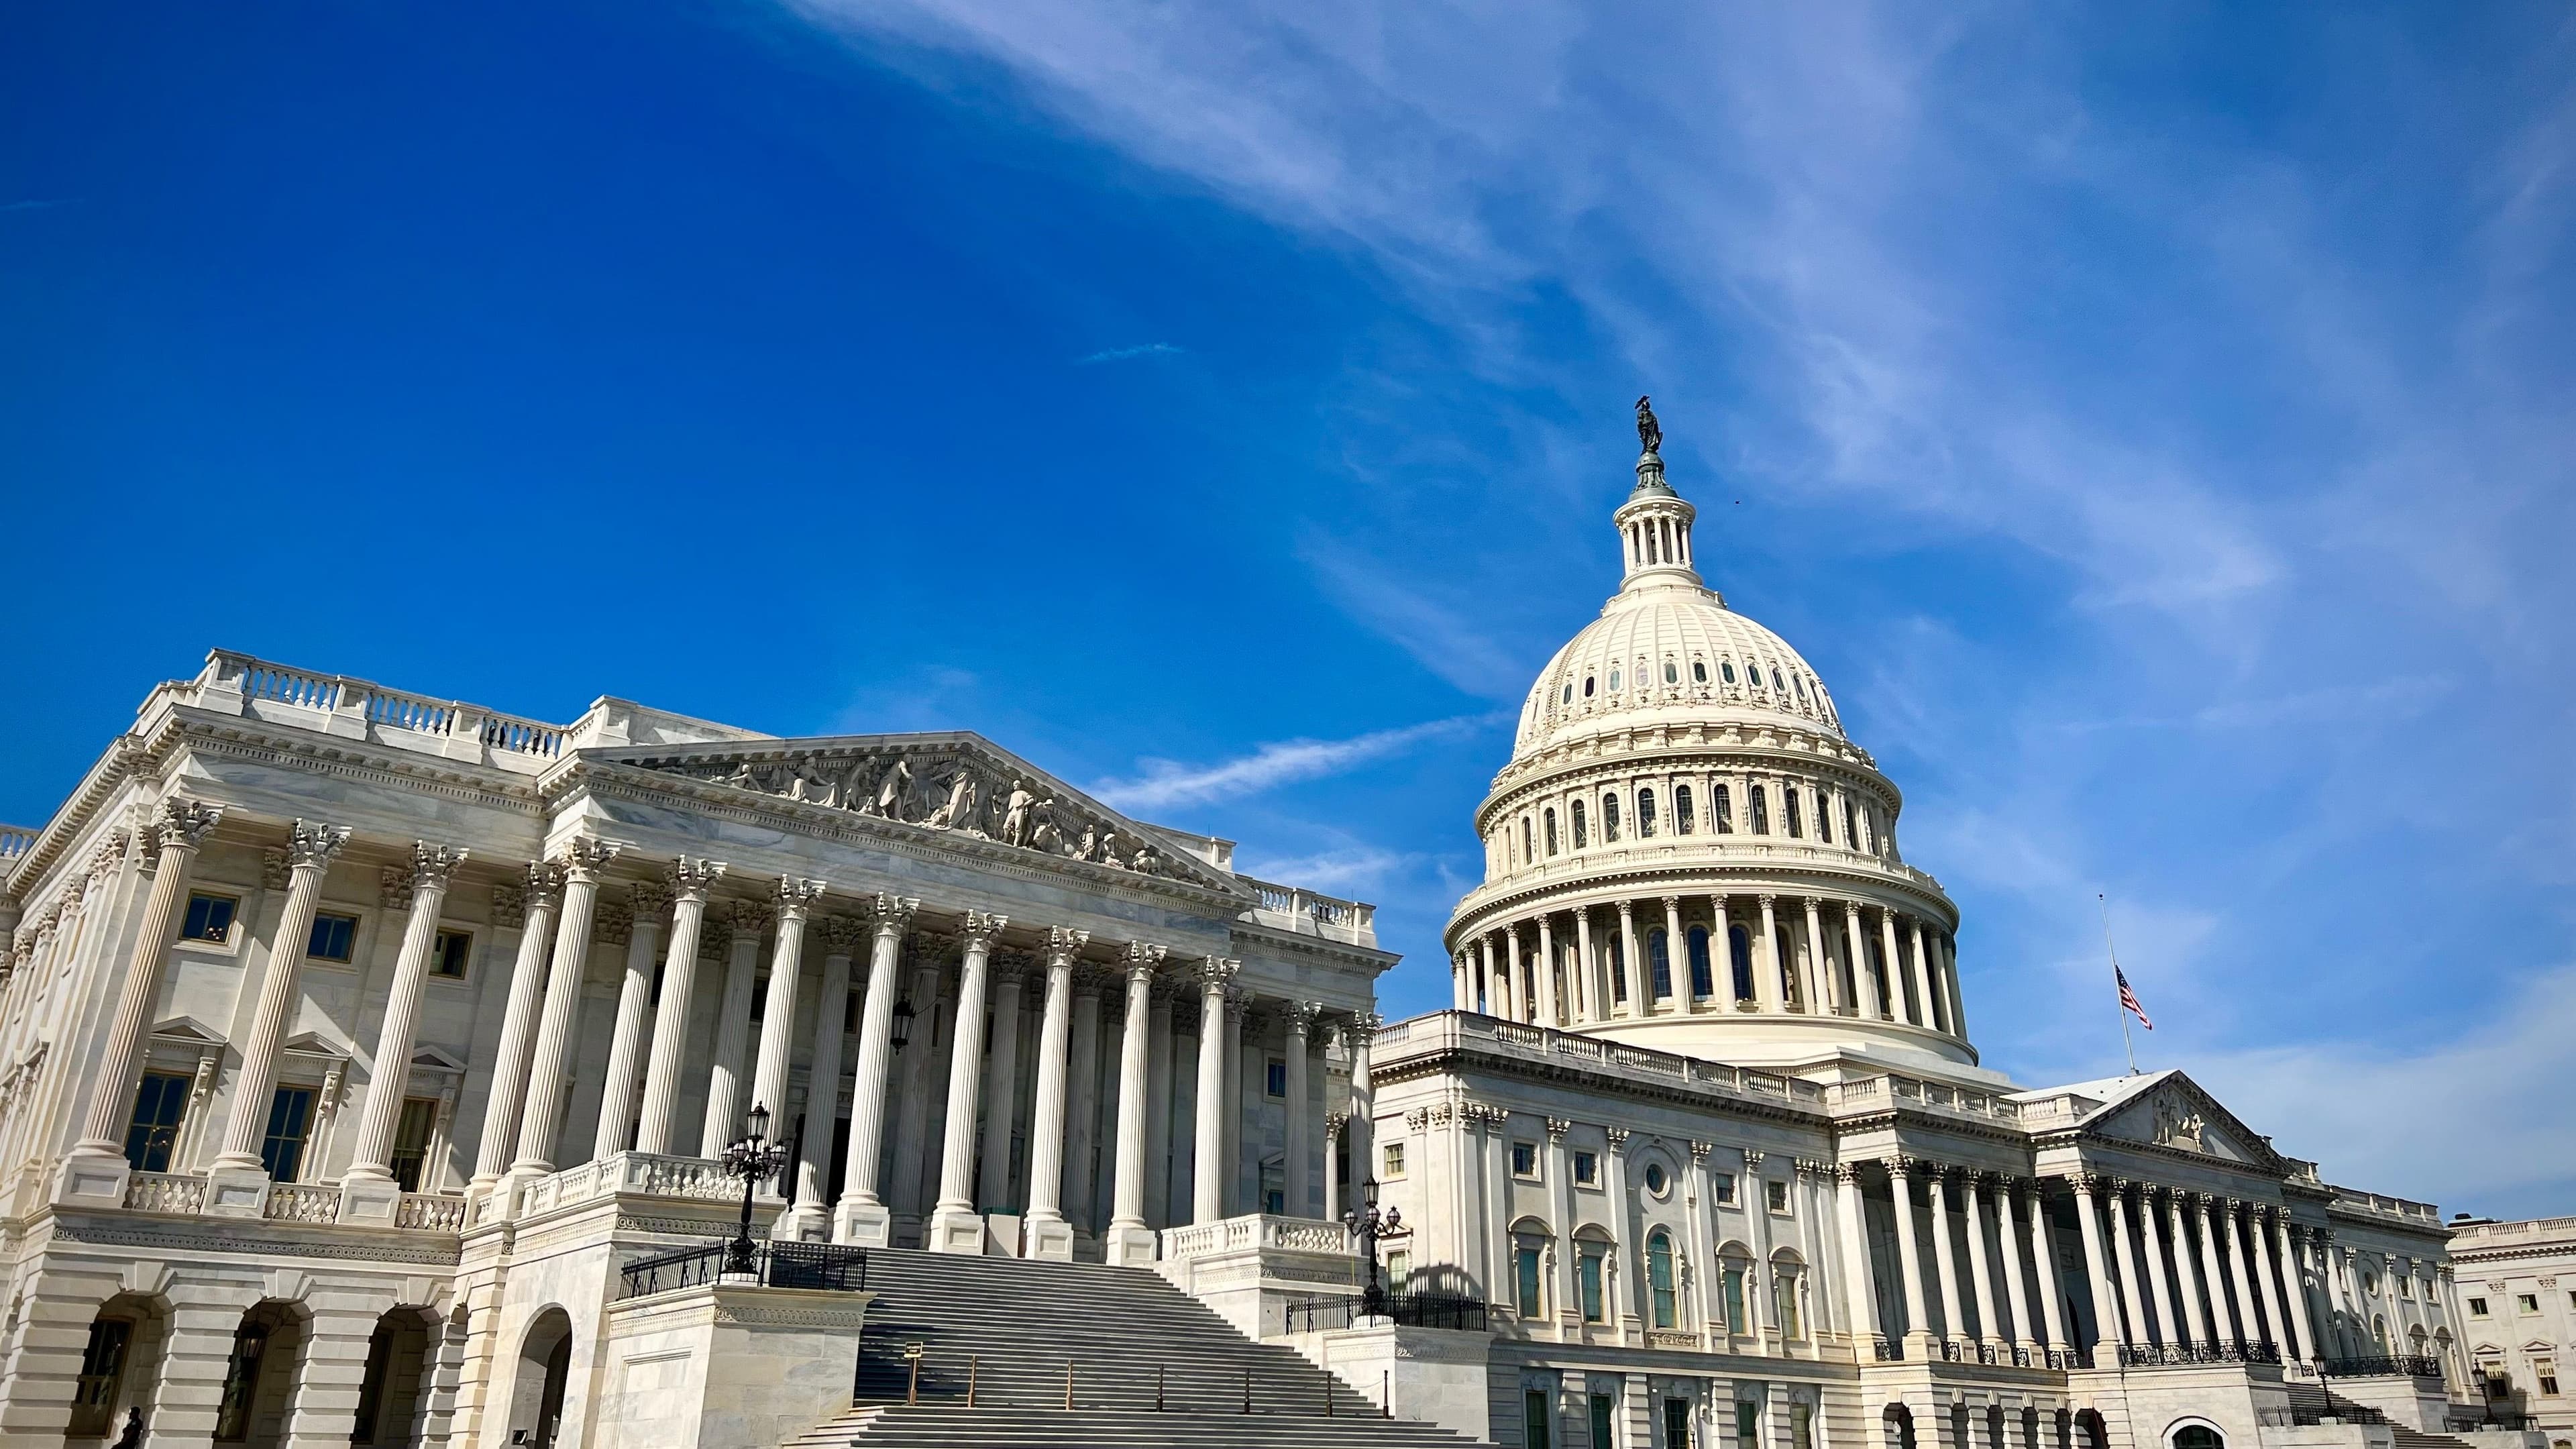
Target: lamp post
[
  {"x": 753, "y": 1158},
  {"x": 1367, "y": 1224},
  {"x": 903, "y": 1015}
]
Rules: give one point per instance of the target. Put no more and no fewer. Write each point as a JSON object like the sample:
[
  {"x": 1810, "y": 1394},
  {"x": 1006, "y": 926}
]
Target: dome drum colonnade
[{"x": 1740, "y": 855}]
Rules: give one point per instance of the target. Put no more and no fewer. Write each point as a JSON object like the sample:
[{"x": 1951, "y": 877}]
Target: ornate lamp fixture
[
  {"x": 752, "y": 1159},
  {"x": 1368, "y": 1225}
]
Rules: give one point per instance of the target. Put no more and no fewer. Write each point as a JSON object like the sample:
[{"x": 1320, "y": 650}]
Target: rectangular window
[
  {"x": 1683, "y": 818},
  {"x": 1391, "y": 1160},
  {"x": 333, "y": 938},
  {"x": 1784, "y": 1304},
  {"x": 1721, "y": 810},
  {"x": 1789, "y": 811},
  {"x": 1587, "y": 1169},
  {"x": 2527, "y": 1302},
  {"x": 1761, "y": 807},
  {"x": 1588, "y": 1278},
  {"x": 1525, "y": 1159},
  {"x": 1534, "y": 1417},
  {"x": 1775, "y": 1196},
  {"x": 290, "y": 1121},
  {"x": 1735, "y": 1319},
  {"x": 1802, "y": 1424},
  {"x": 159, "y": 1104},
  {"x": 1525, "y": 1281},
  {"x": 1748, "y": 1424},
  {"x": 411, "y": 1140},
  {"x": 2546, "y": 1370},
  {"x": 1824, "y": 822},
  {"x": 210, "y": 918},
  {"x": 1645, "y": 814},
  {"x": 1398, "y": 1264},
  {"x": 1725, "y": 1188},
  {"x": 241, "y": 1384},
  {"x": 1582, "y": 832},
  {"x": 1602, "y": 1438},
  {"x": 1275, "y": 1079},
  {"x": 449, "y": 952},
  {"x": 2477, "y": 1308},
  {"x": 1677, "y": 1416},
  {"x": 102, "y": 1363}
]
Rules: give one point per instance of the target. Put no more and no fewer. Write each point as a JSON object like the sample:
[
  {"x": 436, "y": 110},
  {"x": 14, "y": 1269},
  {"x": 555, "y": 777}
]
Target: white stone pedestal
[
  {"x": 369, "y": 1202},
  {"x": 1048, "y": 1237},
  {"x": 868, "y": 1224},
  {"x": 92, "y": 1179},
  {"x": 726, "y": 1367},
  {"x": 1129, "y": 1247},
  {"x": 954, "y": 1230},
  {"x": 236, "y": 1192}
]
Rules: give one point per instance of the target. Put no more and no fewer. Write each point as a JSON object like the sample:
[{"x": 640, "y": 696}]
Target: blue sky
[{"x": 2154, "y": 421}]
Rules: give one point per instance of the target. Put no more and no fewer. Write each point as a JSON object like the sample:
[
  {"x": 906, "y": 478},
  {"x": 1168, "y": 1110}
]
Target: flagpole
[{"x": 2126, "y": 1044}]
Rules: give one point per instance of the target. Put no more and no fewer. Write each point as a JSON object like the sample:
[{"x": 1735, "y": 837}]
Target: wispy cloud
[
  {"x": 1166, "y": 782},
  {"x": 1121, "y": 354},
  {"x": 1442, "y": 637}
]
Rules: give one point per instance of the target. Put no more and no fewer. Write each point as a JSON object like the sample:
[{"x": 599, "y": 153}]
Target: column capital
[
  {"x": 2087, "y": 1183},
  {"x": 1766, "y": 899},
  {"x": 1699, "y": 1152},
  {"x": 1673, "y": 903},
  {"x": 752, "y": 917},
  {"x": 840, "y": 934},
  {"x": 1752, "y": 1157},
  {"x": 1299, "y": 1016},
  {"x": 1557, "y": 1127},
  {"x": 651, "y": 900},
  {"x": 690, "y": 880},
  {"x": 2120, "y": 1186},
  {"x": 1063, "y": 943},
  {"x": 544, "y": 888},
  {"x": 312, "y": 844},
  {"x": 1971, "y": 1178},
  {"x": 1334, "y": 1122},
  {"x": 583, "y": 858},
  {"x": 796, "y": 896},
  {"x": 1140, "y": 960},
  {"x": 1214, "y": 972},
  {"x": 1618, "y": 1138},
  {"x": 183, "y": 822},
  {"x": 432, "y": 866},
  {"x": 979, "y": 929},
  {"x": 892, "y": 914},
  {"x": 1009, "y": 966},
  {"x": 1238, "y": 1003},
  {"x": 613, "y": 923},
  {"x": 1627, "y": 909}
]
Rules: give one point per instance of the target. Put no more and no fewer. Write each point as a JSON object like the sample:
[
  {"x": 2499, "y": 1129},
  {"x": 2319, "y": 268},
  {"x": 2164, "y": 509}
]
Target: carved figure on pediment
[
  {"x": 958, "y": 810},
  {"x": 892, "y": 789},
  {"x": 2177, "y": 1128},
  {"x": 743, "y": 775},
  {"x": 1015, "y": 813},
  {"x": 1147, "y": 862},
  {"x": 1089, "y": 848},
  {"x": 1043, "y": 834},
  {"x": 811, "y": 783}
]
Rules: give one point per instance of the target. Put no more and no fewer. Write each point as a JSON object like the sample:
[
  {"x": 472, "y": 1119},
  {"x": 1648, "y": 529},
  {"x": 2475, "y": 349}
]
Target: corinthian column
[
  {"x": 236, "y": 1182},
  {"x": 1768, "y": 972},
  {"x": 2008, "y": 1235},
  {"x": 1824, "y": 990},
  {"x": 95, "y": 1170},
  {"x": 1872, "y": 1007},
  {"x": 583, "y": 861},
  {"x": 1630, "y": 975},
  {"x": 796, "y": 900},
  {"x": 1002, "y": 1086},
  {"x": 2108, "y": 1336},
  {"x": 368, "y": 1192},
  {"x": 1925, "y": 992},
  {"x": 617, "y": 1095},
  {"x": 955, "y": 1226},
  {"x": 2181, "y": 1235},
  {"x": 1954, "y": 1323},
  {"x": 1129, "y": 1241},
  {"x": 690, "y": 881},
  {"x": 1972, "y": 1186},
  {"x": 725, "y": 1105},
  {"x": 810, "y": 1220},
  {"x": 1899, "y": 1008},
  {"x": 860, "y": 1216},
  {"x": 1859, "y": 1277},
  {"x": 1361, "y": 1133},
  {"x": 1048, "y": 1234},
  {"x": 2263, "y": 1277},
  {"x": 2236, "y": 1278},
  {"x": 1909, "y": 1258},
  {"x": 1299, "y": 1017},
  {"x": 2223, "y": 1328},
  {"x": 1207, "y": 1174},
  {"x": 2127, "y": 1261},
  {"x": 499, "y": 1143}
]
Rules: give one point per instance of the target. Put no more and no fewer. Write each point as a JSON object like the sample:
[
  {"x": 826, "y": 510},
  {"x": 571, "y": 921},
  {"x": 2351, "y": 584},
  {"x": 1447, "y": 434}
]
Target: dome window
[
  {"x": 1727, "y": 667},
  {"x": 1776, "y": 686},
  {"x": 1609, "y": 819},
  {"x": 1699, "y": 671},
  {"x": 1802, "y": 687},
  {"x": 1721, "y": 810},
  {"x": 1582, "y": 837},
  {"x": 1672, "y": 675},
  {"x": 1682, "y": 821},
  {"x": 1789, "y": 811},
  {"x": 1551, "y": 830},
  {"x": 1645, "y": 814},
  {"x": 1587, "y": 686},
  {"x": 1614, "y": 680},
  {"x": 1761, "y": 810},
  {"x": 1569, "y": 691}
]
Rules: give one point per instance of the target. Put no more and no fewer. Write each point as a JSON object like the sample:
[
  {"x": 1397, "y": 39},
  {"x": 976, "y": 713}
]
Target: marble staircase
[{"x": 1149, "y": 1365}]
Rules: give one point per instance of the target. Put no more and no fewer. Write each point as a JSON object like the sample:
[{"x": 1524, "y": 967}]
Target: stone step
[{"x": 929, "y": 1428}]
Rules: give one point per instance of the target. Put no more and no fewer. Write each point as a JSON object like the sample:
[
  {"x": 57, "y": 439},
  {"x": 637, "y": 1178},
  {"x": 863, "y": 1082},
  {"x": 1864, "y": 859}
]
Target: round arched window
[
  {"x": 2198, "y": 1436},
  {"x": 1656, "y": 1180},
  {"x": 1587, "y": 686}
]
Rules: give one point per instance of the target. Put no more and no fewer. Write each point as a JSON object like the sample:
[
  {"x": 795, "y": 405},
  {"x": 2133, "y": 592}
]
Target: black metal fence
[
  {"x": 831, "y": 1266},
  {"x": 2422, "y": 1366},
  {"x": 1405, "y": 1310},
  {"x": 2156, "y": 1355}
]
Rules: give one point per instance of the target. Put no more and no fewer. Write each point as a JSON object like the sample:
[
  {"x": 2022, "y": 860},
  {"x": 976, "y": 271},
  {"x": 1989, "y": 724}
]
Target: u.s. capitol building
[{"x": 380, "y": 1069}]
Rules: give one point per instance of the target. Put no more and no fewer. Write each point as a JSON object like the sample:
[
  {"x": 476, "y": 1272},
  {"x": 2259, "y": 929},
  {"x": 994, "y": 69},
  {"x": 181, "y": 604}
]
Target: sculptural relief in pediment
[
  {"x": 2175, "y": 1116},
  {"x": 939, "y": 788}
]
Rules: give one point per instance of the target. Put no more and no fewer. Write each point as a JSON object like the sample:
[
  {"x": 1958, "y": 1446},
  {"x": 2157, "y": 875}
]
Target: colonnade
[
  {"x": 1607, "y": 815},
  {"x": 1625, "y": 959}
]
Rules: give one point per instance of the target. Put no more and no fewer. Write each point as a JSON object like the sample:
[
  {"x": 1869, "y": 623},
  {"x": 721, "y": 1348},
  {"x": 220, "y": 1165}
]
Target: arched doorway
[
  {"x": 389, "y": 1391},
  {"x": 259, "y": 1376},
  {"x": 2196, "y": 1434},
  {"x": 120, "y": 1367},
  {"x": 2090, "y": 1431},
  {"x": 537, "y": 1393},
  {"x": 1898, "y": 1424}
]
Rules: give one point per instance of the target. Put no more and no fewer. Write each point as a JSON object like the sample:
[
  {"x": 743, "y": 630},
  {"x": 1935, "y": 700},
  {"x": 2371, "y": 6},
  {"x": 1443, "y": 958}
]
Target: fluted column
[
  {"x": 725, "y": 1104},
  {"x": 1002, "y": 1086},
  {"x": 1640, "y": 1003},
  {"x": 1859, "y": 1277},
  {"x": 1207, "y": 1177},
  {"x": 1925, "y": 992},
  {"x": 1825, "y": 992},
  {"x": 2008, "y": 1236},
  {"x": 626, "y": 1050},
  {"x": 955, "y": 1226},
  {"x": 2271, "y": 1292},
  {"x": 2310, "y": 1346},
  {"x": 1049, "y": 1234},
  {"x": 1954, "y": 1324},
  {"x": 810, "y": 1220},
  {"x": 1129, "y": 1239},
  {"x": 796, "y": 900},
  {"x": 1909, "y": 1012},
  {"x": 310, "y": 849},
  {"x": 1333, "y": 1125},
  {"x": 1980, "y": 1271},
  {"x": 1909, "y": 1257},
  {"x": 1949, "y": 948},
  {"x": 1461, "y": 998},
  {"x": 1158, "y": 1209},
  {"x": 2236, "y": 1279},
  {"x": 1551, "y": 976},
  {"x": 2180, "y": 1232},
  {"x": 1082, "y": 1088},
  {"x": 2125, "y": 1259},
  {"x": 499, "y": 1144},
  {"x": 689, "y": 881},
  {"x": 861, "y": 1216},
  {"x": 1677, "y": 954},
  {"x": 367, "y": 1191},
  {"x": 1596, "y": 985},
  {"x": 2222, "y": 1327},
  {"x": 1768, "y": 977},
  {"x": 2043, "y": 1267},
  {"x": 2167, "y": 1332},
  {"x": 1871, "y": 1006},
  {"x": 583, "y": 862},
  {"x": 1238, "y": 1029},
  {"x": 1492, "y": 1004},
  {"x": 2108, "y": 1334},
  {"x": 1299, "y": 1023},
  {"x": 96, "y": 1170},
  {"x": 1361, "y": 1134}
]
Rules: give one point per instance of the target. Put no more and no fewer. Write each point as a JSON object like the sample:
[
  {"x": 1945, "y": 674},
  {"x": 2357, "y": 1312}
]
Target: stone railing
[
  {"x": 2395, "y": 1207},
  {"x": 165, "y": 1192},
  {"x": 430, "y": 1212},
  {"x": 1460, "y": 1030},
  {"x": 635, "y": 1174},
  {"x": 1870, "y": 1093},
  {"x": 2488, "y": 1235},
  {"x": 296, "y": 1202},
  {"x": 337, "y": 704},
  {"x": 15, "y": 841},
  {"x": 1255, "y": 1231},
  {"x": 1311, "y": 910}
]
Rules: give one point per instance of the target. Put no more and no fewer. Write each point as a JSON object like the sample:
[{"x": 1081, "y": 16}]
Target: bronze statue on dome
[{"x": 1649, "y": 432}]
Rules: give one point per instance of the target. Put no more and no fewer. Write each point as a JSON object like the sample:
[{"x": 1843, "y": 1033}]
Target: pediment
[
  {"x": 2174, "y": 1112},
  {"x": 313, "y": 1043},
  {"x": 958, "y": 783},
  {"x": 430, "y": 1058},
  {"x": 186, "y": 1029}
]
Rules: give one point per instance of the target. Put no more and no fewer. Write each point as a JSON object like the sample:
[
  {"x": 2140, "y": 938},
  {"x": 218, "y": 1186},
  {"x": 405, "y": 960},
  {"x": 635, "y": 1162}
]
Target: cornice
[
  {"x": 1456, "y": 1060},
  {"x": 1697, "y": 878},
  {"x": 1248, "y": 928}
]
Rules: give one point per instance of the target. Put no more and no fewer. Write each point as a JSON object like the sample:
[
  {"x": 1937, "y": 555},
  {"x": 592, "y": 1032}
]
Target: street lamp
[
  {"x": 1367, "y": 1224},
  {"x": 902, "y": 1023},
  {"x": 752, "y": 1159}
]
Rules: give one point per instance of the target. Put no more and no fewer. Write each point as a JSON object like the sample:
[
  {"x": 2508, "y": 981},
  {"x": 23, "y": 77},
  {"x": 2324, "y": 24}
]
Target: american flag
[{"x": 2129, "y": 999}]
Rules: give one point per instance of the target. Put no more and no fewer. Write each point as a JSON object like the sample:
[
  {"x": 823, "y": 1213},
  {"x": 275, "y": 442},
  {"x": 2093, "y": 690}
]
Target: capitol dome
[{"x": 1685, "y": 850}]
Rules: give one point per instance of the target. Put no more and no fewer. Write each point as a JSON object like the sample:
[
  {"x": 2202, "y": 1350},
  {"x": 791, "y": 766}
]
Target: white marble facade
[{"x": 331, "y": 1007}]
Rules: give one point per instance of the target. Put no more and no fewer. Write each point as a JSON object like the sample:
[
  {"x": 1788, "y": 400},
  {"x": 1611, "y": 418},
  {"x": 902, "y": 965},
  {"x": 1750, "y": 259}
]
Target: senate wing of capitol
[{"x": 379, "y": 1069}]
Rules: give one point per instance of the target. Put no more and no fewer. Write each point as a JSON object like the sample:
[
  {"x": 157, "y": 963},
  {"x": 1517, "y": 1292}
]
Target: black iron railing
[
  {"x": 2492, "y": 1419},
  {"x": 833, "y": 1266},
  {"x": 1887, "y": 1350},
  {"x": 2422, "y": 1366},
  {"x": 1405, "y": 1310},
  {"x": 2158, "y": 1355}
]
